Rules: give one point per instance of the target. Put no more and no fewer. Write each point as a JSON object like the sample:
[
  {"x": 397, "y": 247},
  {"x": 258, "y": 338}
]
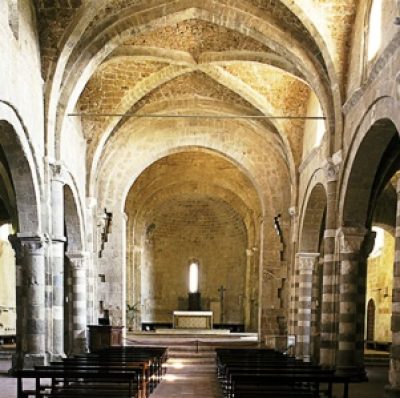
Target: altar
[{"x": 193, "y": 319}]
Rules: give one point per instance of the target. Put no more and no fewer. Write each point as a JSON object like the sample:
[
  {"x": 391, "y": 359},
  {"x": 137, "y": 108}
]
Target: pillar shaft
[
  {"x": 57, "y": 260},
  {"x": 329, "y": 277},
  {"x": 354, "y": 249},
  {"x": 31, "y": 329},
  {"x": 79, "y": 302},
  {"x": 306, "y": 265}
]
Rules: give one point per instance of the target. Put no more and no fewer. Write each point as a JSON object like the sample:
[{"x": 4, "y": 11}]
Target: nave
[{"x": 191, "y": 371}]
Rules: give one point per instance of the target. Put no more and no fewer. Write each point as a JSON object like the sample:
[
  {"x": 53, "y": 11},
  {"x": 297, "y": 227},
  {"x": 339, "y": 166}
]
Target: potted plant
[{"x": 131, "y": 312}]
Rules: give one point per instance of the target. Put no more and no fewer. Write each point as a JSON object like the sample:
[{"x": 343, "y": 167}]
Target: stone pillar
[
  {"x": 91, "y": 207},
  {"x": 31, "y": 329},
  {"x": 57, "y": 259},
  {"x": 79, "y": 301},
  {"x": 306, "y": 264},
  {"x": 393, "y": 389},
  {"x": 328, "y": 341},
  {"x": 355, "y": 245},
  {"x": 17, "y": 361},
  {"x": 247, "y": 292}
]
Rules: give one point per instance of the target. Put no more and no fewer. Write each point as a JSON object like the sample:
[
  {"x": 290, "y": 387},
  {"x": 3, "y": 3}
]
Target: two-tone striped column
[
  {"x": 294, "y": 285},
  {"x": 393, "y": 390},
  {"x": 328, "y": 330},
  {"x": 306, "y": 265},
  {"x": 352, "y": 260},
  {"x": 79, "y": 301},
  {"x": 57, "y": 260}
]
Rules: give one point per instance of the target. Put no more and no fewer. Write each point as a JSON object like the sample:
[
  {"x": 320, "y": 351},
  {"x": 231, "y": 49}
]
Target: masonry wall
[
  {"x": 209, "y": 231},
  {"x": 379, "y": 288},
  {"x": 21, "y": 84}
]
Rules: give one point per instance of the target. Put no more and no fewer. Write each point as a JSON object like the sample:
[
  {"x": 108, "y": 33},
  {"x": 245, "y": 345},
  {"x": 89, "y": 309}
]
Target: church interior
[{"x": 238, "y": 158}]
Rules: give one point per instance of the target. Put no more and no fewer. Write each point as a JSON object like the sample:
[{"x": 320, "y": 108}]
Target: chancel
[{"x": 210, "y": 174}]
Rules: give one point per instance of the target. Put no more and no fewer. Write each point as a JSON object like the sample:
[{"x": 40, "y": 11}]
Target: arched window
[
  {"x": 194, "y": 277},
  {"x": 374, "y": 29}
]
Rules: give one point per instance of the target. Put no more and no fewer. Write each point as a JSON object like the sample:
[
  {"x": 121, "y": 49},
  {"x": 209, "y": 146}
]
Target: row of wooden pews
[
  {"x": 131, "y": 372},
  {"x": 256, "y": 373}
]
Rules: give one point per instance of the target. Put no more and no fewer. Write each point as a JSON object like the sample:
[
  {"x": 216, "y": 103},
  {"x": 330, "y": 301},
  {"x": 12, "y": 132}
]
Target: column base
[
  {"x": 32, "y": 360},
  {"x": 57, "y": 357},
  {"x": 392, "y": 392}
]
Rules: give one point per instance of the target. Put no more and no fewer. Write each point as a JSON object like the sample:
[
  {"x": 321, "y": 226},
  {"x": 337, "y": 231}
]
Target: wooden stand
[{"x": 104, "y": 336}]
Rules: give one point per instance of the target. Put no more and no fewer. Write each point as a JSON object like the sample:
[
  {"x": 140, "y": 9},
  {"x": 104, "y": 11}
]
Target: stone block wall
[
  {"x": 379, "y": 288},
  {"x": 208, "y": 231}
]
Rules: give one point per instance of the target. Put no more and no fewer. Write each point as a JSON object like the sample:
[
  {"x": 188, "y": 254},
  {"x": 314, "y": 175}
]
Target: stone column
[
  {"x": 328, "y": 339},
  {"x": 393, "y": 389},
  {"x": 57, "y": 259},
  {"x": 33, "y": 297},
  {"x": 355, "y": 245},
  {"x": 79, "y": 301},
  {"x": 306, "y": 264},
  {"x": 17, "y": 361}
]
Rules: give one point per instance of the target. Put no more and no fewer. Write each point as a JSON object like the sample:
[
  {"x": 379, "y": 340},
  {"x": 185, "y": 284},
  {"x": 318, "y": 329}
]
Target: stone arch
[
  {"x": 372, "y": 137},
  {"x": 308, "y": 272},
  {"x": 73, "y": 88},
  {"x": 313, "y": 216},
  {"x": 73, "y": 221},
  {"x": 357, "y": 203},
  {"x": 24, "y": 171}
]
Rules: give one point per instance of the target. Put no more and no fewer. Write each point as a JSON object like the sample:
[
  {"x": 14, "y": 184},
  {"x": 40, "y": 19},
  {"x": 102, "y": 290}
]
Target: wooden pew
[
  {"x": 262, "y": 373},
  {"x": 124, "y": 372}
]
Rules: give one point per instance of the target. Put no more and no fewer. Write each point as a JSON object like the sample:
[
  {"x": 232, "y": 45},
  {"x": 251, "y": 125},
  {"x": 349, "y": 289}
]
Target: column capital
[
  {"x": 58, "y": 172},
  {"x": 307, "y": 260},
  {"x": 356, "y": 239},
  {"x": 77, "y": 259},
  {"x": 33, "y": 244},
  {"x": 331, "y": 170}
]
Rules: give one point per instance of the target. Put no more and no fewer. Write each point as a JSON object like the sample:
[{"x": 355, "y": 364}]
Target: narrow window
[{"x": 194, "y": 277}]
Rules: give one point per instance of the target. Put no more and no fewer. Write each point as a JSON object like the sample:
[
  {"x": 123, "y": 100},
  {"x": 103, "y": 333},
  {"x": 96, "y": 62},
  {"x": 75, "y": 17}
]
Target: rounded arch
[
  {"x": 359, "y": 188},
  {"x": 373, "y": 136},
  {"x": 23, "y": 168},
  {"x": 313, "y": 220},
  {"x": 179, "y": 149}
]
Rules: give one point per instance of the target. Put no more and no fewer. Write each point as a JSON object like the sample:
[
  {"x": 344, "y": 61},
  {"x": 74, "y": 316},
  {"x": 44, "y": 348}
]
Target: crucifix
[{"x": 222, "y": 291}]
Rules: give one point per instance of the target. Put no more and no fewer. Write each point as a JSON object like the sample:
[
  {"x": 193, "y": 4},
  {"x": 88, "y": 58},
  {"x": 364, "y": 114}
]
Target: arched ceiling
[
  {"x": 193, "y": 180},
  {"x": 203, "y": 57}
]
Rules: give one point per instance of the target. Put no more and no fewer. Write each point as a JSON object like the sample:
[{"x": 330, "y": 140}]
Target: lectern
[{"x": 104, "y": 336}]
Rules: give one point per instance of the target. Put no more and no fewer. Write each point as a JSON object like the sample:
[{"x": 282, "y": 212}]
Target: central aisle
[{"x": 189, "y": 377}]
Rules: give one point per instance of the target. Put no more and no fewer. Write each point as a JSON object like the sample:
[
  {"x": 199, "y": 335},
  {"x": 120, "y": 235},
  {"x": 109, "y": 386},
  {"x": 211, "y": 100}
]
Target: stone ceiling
[{"x": 236, "y": 57}]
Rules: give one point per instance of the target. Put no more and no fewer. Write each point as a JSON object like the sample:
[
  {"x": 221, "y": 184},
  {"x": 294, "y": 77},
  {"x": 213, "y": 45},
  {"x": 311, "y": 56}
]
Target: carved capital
[
  {"x": 32, "y": 245},
  {"x": 331, "y": 170},
  {"x": 77, "y": 260},
  {"x": 351, "y": 239},
  {"x": 292, "y": 211},
  {"x": 58, "y": 172},
  {"x": 307, "y": 261}
]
